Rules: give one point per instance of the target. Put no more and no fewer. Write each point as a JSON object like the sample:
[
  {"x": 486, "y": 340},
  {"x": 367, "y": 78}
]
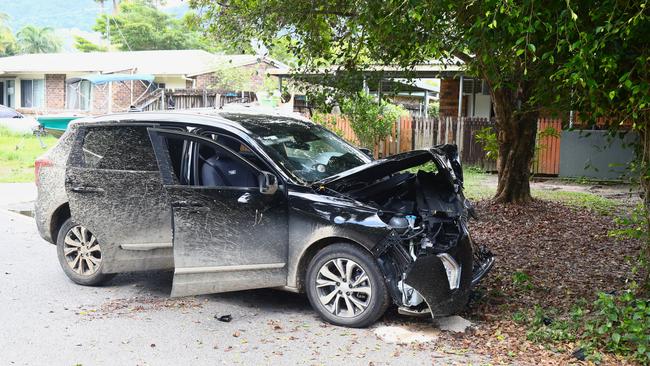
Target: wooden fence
[
  {"x": 410, "y": 133},
  {"x": 163, "y": 99}
]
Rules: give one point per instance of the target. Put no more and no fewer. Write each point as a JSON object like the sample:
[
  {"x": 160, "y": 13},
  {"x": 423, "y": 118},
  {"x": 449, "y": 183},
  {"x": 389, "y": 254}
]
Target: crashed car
[{"x": 236, "y": 200}]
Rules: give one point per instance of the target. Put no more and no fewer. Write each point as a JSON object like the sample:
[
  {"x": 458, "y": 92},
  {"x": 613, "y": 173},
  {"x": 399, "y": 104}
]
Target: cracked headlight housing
[{"x": 453, "y": 270}]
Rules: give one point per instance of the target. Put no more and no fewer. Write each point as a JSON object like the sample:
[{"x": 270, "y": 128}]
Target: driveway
[{"x": 46, "y": 319}]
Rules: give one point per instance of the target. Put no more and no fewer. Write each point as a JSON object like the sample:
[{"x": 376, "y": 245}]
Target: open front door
[{"x": 227, "y": 234}]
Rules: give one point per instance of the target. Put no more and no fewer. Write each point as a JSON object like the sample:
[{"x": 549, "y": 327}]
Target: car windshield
[{"x": 306, "y": 150}]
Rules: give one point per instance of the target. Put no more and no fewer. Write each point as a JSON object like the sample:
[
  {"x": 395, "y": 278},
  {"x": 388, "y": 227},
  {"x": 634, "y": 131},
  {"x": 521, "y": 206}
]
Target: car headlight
[{"x": 453, "y": 270}]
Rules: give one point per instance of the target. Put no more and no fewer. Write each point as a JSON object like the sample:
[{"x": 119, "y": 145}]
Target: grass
[
  {"x": 475, "y": 183},
  {"x": 477, "y": 188},
  {"x": 17, "y": 154}
]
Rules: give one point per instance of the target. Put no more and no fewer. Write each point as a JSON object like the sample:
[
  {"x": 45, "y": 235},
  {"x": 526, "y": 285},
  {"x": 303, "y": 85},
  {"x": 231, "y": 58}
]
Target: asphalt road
[{"x": 45, "y": 319}]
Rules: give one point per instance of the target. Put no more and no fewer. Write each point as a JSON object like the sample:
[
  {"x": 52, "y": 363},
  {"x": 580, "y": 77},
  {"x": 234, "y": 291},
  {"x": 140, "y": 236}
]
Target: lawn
[
  {"x": 17, "y": 154},
  {"x": 477, "y": 188}
]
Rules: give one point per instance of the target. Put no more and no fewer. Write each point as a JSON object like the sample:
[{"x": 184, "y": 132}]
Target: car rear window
[{"x": 118, "y": 148}]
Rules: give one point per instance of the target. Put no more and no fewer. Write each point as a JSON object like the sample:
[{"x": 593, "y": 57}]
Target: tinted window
[
  {"x": 118, "y": 148},
  {"x": 204, "y": 164}
]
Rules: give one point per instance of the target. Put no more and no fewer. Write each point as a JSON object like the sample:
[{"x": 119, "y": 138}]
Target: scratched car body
[{"x": 235, "y": 200}]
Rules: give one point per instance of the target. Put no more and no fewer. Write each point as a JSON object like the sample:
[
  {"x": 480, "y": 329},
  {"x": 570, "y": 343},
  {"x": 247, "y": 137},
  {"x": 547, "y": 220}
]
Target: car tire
[
  {"x": 89, "y": 254},
  {"x": 332, "y": 299}
]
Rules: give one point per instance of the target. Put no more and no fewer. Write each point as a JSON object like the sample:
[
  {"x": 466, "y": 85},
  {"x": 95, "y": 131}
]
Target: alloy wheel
[
  {"x": 343, "y": 287},
  {"x": 82, "y": 251}
]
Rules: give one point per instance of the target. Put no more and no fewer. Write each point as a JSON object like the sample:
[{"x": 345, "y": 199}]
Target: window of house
[
  {"x": 32, "y": 93},
  {"x": 118, "y": 148},
  {"x": 78, "y": 95}
]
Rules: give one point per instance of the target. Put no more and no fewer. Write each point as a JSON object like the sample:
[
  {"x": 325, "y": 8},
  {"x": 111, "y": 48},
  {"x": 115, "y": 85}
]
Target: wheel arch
[
  {"x": 59, "y": 216},
  {"x": 309, "y": 253}
]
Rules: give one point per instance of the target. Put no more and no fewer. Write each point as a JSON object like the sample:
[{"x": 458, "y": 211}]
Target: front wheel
[
  {"x": 346, "y": 287},
  {"x": 80, "y": 255}
]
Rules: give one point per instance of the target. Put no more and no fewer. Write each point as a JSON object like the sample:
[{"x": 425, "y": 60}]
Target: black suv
[{"x": 234, "y": 200}]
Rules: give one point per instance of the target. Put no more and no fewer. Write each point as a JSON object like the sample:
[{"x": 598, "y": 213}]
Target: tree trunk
[{"x": 517, "y": 131}]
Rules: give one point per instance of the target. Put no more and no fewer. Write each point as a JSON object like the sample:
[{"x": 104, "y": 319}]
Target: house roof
[
  {"x": 433, "y": 69},
  {"x": 160, "y": 62}
]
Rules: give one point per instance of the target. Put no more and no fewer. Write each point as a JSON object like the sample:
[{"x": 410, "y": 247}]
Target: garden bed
[{"x": 551, "y": 261}]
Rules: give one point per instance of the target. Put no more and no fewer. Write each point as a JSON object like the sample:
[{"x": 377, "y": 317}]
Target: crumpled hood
[{"x": 445, "y": 157}]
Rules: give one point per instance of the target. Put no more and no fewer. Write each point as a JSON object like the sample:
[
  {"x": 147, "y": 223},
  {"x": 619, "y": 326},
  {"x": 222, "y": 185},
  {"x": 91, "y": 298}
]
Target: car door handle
[
  {"x": 244, "y": 198},
  {"x": 86, "y": 189}
]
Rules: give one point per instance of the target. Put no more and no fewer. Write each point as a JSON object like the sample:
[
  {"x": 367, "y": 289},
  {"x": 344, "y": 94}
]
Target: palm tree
[
  {"x": 101, "y": 5},
  {"x": 33, "y": 39},
  {"x": 7, "y": 40}
]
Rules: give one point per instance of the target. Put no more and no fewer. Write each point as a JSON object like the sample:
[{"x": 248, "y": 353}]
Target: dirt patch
[
  {"x": 548, "y": 255},
  {"x": 136, "y": 305}
]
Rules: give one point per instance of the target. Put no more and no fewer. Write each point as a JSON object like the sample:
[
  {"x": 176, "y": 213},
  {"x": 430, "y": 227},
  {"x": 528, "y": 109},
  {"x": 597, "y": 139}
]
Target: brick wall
[
  {"x": 55, "y": 91},
  {"x": 206, "y": 81},
  {"x": 258, "y": 70},
  {"x": 449, "y": 97},
  {"x": 122, "y": 94},
  {"x": 99, "y": 98}
]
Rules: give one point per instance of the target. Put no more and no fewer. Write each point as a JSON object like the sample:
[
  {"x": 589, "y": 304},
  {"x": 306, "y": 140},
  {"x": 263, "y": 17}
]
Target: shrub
[
  {"x": 487, "y": 137},
  {"x": 370, "y": 120},
  {"x": 621, "y": 325}
]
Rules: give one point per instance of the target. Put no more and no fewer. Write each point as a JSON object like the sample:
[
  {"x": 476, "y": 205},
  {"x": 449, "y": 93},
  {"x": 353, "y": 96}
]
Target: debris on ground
[
  {"x": 406, "y": 334},
  {"x": 454, "y": 323},
  {"x": 224, "y": 318}
]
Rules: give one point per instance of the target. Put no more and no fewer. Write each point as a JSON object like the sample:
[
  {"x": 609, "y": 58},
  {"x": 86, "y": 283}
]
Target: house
[
  {"x": 68, "y": 82},
  {"x": 413, "y": 88}
]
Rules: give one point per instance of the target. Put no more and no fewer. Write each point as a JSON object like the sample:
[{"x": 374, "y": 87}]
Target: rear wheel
[
  {"x": 80, "y": 255},
  {"x": 346, "y": 287}
]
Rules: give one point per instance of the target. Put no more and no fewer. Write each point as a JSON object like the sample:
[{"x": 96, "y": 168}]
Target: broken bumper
[
  {"x": 442, "y": 292},
  {"x": 428, "y": 276}
]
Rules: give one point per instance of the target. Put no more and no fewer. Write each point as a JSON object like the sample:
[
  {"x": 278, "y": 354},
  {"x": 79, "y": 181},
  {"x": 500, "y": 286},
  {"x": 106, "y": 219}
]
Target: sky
[
  {"x": 67, "y": 17},
  {"x": 78, "y": 14}
]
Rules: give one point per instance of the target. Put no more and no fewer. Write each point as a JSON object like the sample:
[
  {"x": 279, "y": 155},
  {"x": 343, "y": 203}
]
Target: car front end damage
[{"x": 429, "y": 260}]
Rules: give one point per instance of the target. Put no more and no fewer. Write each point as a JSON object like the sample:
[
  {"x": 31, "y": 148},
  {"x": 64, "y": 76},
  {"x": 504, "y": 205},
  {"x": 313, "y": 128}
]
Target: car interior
[{"x": 202, "y": 164}]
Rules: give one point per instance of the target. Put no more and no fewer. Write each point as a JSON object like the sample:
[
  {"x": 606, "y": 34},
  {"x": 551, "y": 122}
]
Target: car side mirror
[
  {"x": 367, "y": 152},
  {"x": 268, "y": 183}
]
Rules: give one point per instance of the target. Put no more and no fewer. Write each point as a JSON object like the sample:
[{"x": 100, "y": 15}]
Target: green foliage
[
  {"x": 635, "y": 226},
  {"x": 233, "y": 79},
  {"x": 241, "y": 79},
  {"x": 549, "y": 326},
  {"x": 7, "y": 39},
  {"x": 139, "y": 25},
  {"x": 606, "y": 54},
  {"x": 281, "y": 50},
  {"x": 33, "y": 39},
  {"x": 522, "y": 281},
  {"x": 487, "y": 137},
  {"x": 614, "y": 324},
  {"x": 620, "y": 325},
  {"x": 607, "y": 59},
  {"x": 434, "y": 109},
  {"x": 85, "y": 45},
  {"x": 371, "y": 120}
]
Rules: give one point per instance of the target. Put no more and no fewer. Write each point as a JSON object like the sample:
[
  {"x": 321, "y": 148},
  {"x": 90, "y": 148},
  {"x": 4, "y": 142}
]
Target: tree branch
[{"x": 463, "y": 56}]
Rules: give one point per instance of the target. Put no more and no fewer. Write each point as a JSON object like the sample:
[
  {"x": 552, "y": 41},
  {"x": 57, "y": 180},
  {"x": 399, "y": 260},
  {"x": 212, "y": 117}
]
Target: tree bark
[{"x": 517, "y": 131}]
